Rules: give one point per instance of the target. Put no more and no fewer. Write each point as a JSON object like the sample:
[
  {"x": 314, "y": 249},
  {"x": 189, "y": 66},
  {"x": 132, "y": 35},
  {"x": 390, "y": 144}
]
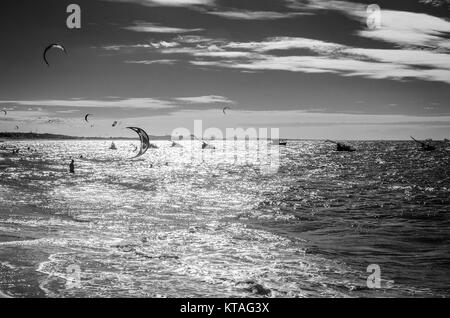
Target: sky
[{"x": 314, "y": 69}]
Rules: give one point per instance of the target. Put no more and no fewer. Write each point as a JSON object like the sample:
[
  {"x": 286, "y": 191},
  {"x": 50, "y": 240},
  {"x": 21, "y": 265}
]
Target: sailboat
[
  {"x": 424, "y": 146},
  {"x": 113, "y": 146},
  {"x": 176, "y": 145}
]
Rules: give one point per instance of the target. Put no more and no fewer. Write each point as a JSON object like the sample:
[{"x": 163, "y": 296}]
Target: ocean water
[{"x": 238, "y": 221}]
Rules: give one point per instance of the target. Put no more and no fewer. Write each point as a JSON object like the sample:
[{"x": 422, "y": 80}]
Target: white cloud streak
[
  {"x": 149, "y": 103},
  {"x": 422, "y": 41},
  {"x": 168, "y": 3},
  {"x": 255, "y": 15},
  {"x": 402, "y": 28},
  {"x": 155, "y": 28},
  {"x": 323, "y": 57},
  {"x": 150, "y": 62},
  {"x": 208, "y": 99},
  {"x": 130, "y": 103}
]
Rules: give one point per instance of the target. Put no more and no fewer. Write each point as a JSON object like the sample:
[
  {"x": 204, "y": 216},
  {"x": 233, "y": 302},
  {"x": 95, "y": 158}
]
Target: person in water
[
  {"x": 72, "y": 167},
  {"x": 343, "y": 147}
]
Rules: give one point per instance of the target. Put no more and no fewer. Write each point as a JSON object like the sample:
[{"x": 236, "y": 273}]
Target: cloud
[
  {"x": 344, "y": 67},
  {"x": 295, "y": 124},
  {"x": 436, "y": 3},
  {"x": 292, "y": 123},
  {"x": 255, "y": 15},
  {"x": 168, "y": 3},
  {"x": 323, "y": 57},
  {"x": 155, "y": 28},
  {"x": 117, "y": 47},
  {"x": 209, "y": 99},
  {"x": 113, "y": 102},
  {"x": 411, "y": 29},
  {"x": 307, "y": 64},
  {"x": 164, "y": 44},
  {"x": 134, "y": 47},
  {"x": 193, "y": 39},
  {"x": 176, "y": 42},
  {"x": 204, "y": 52},
  {"x": 405, "y": 57},
  {"x": 421, "y": 53},
  {"x": 181, "y": 2},
  {"x": 69, "y": 111},
  {"x": 286, "y": 43},
  {"x": 148, "y": 103},
  {"x": 150, "y": 62},
  {"x": 279, "y": 54},
  {"x": 402, "y": 28}
]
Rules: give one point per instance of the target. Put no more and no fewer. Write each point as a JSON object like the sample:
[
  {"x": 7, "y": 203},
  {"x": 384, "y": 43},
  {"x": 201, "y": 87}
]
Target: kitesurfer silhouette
[{"x": 72, "y": 167}]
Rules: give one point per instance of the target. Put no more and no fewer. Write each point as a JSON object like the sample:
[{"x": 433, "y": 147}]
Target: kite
[
  {"x": 145, "y": 141},
  {"x": 53, "y": 46}
]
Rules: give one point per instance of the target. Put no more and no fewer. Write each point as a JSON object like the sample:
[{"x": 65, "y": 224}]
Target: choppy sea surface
[{"x": 182, "y": 222}]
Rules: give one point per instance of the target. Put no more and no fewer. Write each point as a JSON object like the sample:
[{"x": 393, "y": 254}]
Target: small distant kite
[
  {"x": 145, "y": 141},
  {"x": 224, "y": 110},
  {"x": 4, "y": 111},
  {"x": 114, "y": 124},
  {"x": 86, "y": 117},
  {"x": 53, "y": 46},
  {"x": 17, "y": 127},
  {"x": 55, "y": 121}
]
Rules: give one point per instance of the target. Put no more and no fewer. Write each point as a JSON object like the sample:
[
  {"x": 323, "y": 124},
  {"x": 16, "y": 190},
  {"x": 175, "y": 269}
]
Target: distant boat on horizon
[
  {"x": 113, "y": 146},
  {"x": 176, "y": 145},
  {"x": 341, "y": 147},
  {"x": 279, "y": 142},
  {"x": 425, "y": 146}
]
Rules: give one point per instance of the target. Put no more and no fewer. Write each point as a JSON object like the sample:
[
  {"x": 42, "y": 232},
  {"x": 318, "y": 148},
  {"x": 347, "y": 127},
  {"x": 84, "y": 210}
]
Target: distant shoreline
[
  {"x": 36, "y": 136},
  {"x": 33, "y": 136}
]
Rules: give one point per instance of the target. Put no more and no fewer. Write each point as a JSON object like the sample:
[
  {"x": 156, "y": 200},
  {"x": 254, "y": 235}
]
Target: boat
[
  {"x": 176, "y": 145},
  {"x": 342, "y": 147},
  {"x": 113, "y": 146},
  {"x": 279, "y": 142},
  {"x": 424, "y": 146},
  {"x": 207, "y": 146}
]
